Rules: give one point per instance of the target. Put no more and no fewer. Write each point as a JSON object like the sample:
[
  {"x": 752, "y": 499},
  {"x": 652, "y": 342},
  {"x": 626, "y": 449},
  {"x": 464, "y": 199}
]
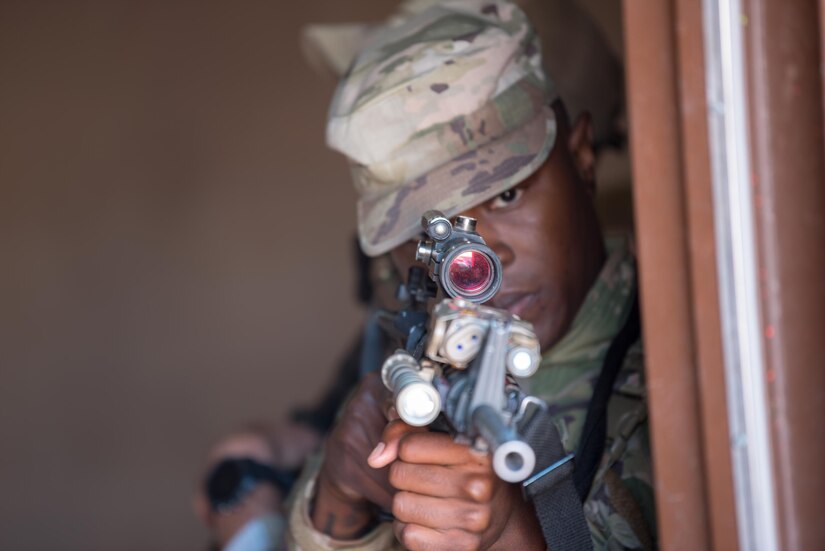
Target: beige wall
[
  {"x": 170, "y": 223},
  {"x": 157, "y": 284}
]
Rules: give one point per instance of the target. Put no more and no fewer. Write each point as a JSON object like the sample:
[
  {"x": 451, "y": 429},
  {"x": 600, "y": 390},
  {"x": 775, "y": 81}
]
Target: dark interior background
[{"x": 176, "y": 251}]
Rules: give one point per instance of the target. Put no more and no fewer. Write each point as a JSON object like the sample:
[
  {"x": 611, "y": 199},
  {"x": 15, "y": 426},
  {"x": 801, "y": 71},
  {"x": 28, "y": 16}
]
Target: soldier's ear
[{"x": 580, "y": 145}]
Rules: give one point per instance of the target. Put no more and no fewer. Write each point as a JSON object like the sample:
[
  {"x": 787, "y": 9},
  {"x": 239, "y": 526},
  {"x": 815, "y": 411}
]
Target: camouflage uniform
[
  {"x": 565, "y": 381},
  {"x": 620, "y": 508},
  {"x": 445, "y": 108}
]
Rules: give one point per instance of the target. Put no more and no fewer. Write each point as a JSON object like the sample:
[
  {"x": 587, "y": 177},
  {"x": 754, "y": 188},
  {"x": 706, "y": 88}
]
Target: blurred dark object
[
  {"x": 321, "y": 415},
  {"x": 232, "y": 479},
  {"x": 376, "y": 285}
]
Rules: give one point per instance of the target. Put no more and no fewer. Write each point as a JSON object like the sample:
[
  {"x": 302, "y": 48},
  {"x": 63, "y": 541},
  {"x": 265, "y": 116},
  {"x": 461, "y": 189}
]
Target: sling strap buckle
[{"x": 551, "y": 475}]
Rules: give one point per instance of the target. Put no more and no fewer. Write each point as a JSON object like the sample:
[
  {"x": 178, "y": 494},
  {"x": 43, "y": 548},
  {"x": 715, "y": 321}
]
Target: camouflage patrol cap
[{"x": 444, "y": 109}]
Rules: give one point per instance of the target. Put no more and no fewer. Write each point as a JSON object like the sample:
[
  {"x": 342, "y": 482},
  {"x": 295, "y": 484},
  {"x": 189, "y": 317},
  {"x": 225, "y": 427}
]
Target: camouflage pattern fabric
[
  {"x": 571, "y": 38},
  {"x": 620, "y": 508},
  {"x": 444, "y": 108},
  {"x": 565, "y": 381}
]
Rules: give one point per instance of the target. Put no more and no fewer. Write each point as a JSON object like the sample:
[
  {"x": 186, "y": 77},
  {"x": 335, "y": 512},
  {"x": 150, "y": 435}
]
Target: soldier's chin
[{"x": 549, "y": 328}]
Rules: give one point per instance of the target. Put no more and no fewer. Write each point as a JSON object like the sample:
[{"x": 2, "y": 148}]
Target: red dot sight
[{"x": 459, "y": 259}]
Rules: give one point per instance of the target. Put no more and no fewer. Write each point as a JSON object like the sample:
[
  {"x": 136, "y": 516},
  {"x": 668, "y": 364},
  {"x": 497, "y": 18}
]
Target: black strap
[
  {"x": 594, "y": 433},
  {"x": 552, "y": 491},
  {"x": 559, "y": 485}
]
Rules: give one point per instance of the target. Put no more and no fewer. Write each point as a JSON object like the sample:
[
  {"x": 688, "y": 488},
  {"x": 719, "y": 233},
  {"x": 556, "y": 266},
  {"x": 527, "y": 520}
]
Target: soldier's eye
[{"x": 507, "y": 198}]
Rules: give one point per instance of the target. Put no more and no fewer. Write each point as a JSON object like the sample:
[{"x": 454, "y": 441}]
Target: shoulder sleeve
[{"x": 302, "y": 535}]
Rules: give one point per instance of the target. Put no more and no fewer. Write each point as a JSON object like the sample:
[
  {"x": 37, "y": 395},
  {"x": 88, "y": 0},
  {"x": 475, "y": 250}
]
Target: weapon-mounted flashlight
[
  {"x": 458, "y": 257},
  {"x": 416, "y": 399}
]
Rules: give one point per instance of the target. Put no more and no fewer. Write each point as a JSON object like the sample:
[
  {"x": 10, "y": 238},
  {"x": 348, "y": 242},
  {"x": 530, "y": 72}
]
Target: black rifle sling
[
  {"x": 552, "y": 491},
  {"x": 559, "y": 486}
]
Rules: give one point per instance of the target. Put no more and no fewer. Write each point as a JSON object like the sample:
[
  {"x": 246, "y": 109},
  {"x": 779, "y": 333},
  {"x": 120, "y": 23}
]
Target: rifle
[{"x": 457, "y": 363}]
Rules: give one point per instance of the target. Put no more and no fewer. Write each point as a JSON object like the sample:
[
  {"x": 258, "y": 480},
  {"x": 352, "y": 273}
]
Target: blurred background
[{"x": 176, "y": 250}]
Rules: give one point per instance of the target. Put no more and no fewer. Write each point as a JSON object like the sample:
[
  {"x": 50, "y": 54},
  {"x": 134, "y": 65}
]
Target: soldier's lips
[{"x": 515, "y": 303}]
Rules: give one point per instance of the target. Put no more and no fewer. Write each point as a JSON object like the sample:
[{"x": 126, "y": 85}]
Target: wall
[{"x": 170, "y": 222}]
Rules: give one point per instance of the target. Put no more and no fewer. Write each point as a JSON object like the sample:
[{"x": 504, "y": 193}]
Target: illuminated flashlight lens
[
  {"x": 471, "y": 272},
  {"x": 418, "y": 403}
]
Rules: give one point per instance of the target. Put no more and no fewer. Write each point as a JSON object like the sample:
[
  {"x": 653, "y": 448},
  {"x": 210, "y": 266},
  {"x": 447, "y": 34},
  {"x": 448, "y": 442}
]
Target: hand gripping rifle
[{"x": 457, "y": 368}]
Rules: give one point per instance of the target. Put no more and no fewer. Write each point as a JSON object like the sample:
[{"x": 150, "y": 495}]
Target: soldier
[{"x": 449, "y": 108}]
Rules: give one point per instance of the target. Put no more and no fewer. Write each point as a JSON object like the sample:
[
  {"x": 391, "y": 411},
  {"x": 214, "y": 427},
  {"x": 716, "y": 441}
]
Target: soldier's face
[{"x": 546, "y": 233}]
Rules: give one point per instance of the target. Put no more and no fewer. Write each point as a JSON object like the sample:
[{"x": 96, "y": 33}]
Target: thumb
[{"x": 387, "y": 450}]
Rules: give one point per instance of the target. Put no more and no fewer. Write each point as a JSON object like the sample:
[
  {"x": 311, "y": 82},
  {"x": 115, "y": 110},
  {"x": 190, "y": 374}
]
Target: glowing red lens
[{"x": 470, "y": 272}]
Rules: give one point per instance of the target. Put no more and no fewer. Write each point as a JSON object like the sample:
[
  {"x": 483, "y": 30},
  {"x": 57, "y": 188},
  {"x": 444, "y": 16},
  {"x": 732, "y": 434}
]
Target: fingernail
[{"x": 376, "y": 453}]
